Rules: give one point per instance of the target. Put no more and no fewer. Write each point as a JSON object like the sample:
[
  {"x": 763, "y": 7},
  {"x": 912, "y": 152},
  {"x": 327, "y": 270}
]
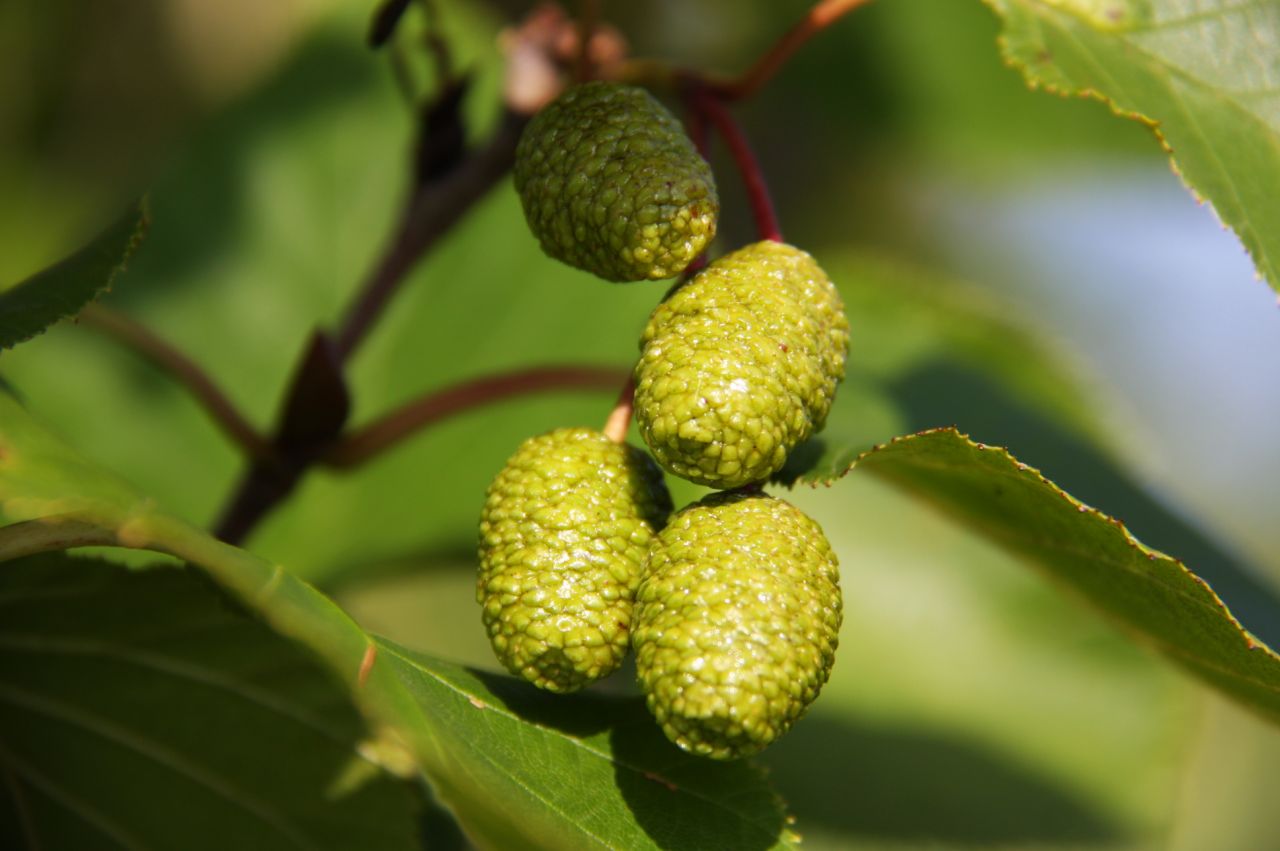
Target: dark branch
[
  {"x": 445, "y": 184},
  {"x": 821, "y": 16},
  {"x": 384, "y": 22},
  {"x": 393, "y": 428},
  {"x": 431, "y": 212}
]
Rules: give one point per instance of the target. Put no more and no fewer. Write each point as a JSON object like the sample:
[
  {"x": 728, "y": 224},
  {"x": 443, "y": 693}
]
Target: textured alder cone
[
  {"x": 740, "y": 365},
  {"x": 736, "y": 623},
  {"x": 564, "y": 534},
  {"x": 611, "y": 184}
]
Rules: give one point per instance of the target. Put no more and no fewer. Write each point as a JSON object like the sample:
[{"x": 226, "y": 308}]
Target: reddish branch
[
  {"x": 821, "y": 16},
  {"x": 615, "y": 428},
  {"x": 748, "y": 166},
  {"x": 184, "y": 370},
  {"x": 391, "y": 429}
]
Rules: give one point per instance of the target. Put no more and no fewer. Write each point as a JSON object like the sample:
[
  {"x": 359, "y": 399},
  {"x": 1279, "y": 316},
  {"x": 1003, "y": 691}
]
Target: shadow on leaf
[
  {"x": 939, "y": 393},
  {"x": 682, "y": 803},
  {"x": 687, "y": 803},
  {"x": 914, "y": 785},
  {"x": 580, "y": 715},
  {"x": 458, "y": 557}
]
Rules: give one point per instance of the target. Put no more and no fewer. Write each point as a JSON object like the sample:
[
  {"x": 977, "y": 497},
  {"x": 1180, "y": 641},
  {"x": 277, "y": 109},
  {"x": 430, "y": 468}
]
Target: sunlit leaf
[
  {"x": 1205, "y": 74},
  {"x": 1153, "y": 597},
  {"x": 587, "y": 772},
  {"x": 514, "y": 765}
]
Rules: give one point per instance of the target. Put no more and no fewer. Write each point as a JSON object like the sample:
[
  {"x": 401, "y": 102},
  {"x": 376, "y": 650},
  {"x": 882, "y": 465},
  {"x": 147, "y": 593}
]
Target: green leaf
[
  {"x": 592, "y": 771},
  {"x": 63, "y": 289},
  {"x": 1204, "y": 75},
  {"x": 1152, "y": 596},
  {"x": 514, "y": 773},
  {"x": 928, "y": 350},
  {"x": 120, "y": 690}
]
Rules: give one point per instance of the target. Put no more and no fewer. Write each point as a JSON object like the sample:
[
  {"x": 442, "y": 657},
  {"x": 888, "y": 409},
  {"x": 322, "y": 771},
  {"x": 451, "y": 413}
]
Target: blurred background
[{"x": 1023, "y": 266}]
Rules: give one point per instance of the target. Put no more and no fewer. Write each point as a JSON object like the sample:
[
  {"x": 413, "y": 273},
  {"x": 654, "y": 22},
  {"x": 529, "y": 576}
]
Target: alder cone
[
  {"x": 740, "y": 365},
  {"x": 610, "y": 183},
  {"x": 564, "y": 534},
  {"x": 736, "y": 623}
]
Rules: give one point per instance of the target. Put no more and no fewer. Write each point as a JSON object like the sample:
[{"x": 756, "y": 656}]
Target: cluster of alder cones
[{"x": 732, "y": 604}]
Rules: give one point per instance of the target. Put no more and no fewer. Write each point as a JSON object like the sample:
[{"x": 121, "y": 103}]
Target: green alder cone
[
  {"x": 610, "y": 183},
  {"x": 564, "y": 533},
  {"x": 740, "y": 365},
  {"x": 736, "y": 623}
]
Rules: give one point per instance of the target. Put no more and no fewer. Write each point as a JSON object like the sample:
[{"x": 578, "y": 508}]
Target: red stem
[
  {"x": 821, "y": 16},
  {"x": 748, "y": 166},
  {"x": 615, "y": 428},
  {"x": 385, "y": 432}
]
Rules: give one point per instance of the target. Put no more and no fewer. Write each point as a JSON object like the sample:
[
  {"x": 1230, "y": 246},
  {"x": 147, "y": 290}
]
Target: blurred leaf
[
  {"x": 457, "y": 726},
  {"x": 1205, "y": 75},
  {"x": 928, "y": 351},
  {"x": 978, "y": 796},
  {"x": 904, "y": 317},
  {"x": 40, "y": 475},
  {"x": 1154, "y": 597},
  {"x": 60, "y": 291},
  {"x": 141, "y": 710},
  {"x": 962, "y": 674},
  {"x": 935, "y": 393},
  {"x": 422, "y": 600},
  {"x": 1230, "y": 780}
]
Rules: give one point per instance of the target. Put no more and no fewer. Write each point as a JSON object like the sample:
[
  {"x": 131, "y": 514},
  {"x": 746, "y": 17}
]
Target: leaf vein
[
  {"x": 176, "y": 668},
  {"x": 70, "y": 802},
  {"x": 758, "y": 822},
  {"x": 157, "y": 753}
]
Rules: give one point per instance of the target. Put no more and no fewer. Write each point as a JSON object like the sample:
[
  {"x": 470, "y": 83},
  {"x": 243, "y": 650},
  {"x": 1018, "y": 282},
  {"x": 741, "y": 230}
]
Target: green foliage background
[{"x": 973, "y": 704}]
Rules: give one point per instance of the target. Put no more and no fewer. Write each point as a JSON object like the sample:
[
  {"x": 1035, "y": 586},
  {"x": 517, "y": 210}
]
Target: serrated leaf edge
[
  {"x": 1018, "y": 468},
  {"x": 142, "y": 209},
  {"x": 1036, "y": 83}
]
